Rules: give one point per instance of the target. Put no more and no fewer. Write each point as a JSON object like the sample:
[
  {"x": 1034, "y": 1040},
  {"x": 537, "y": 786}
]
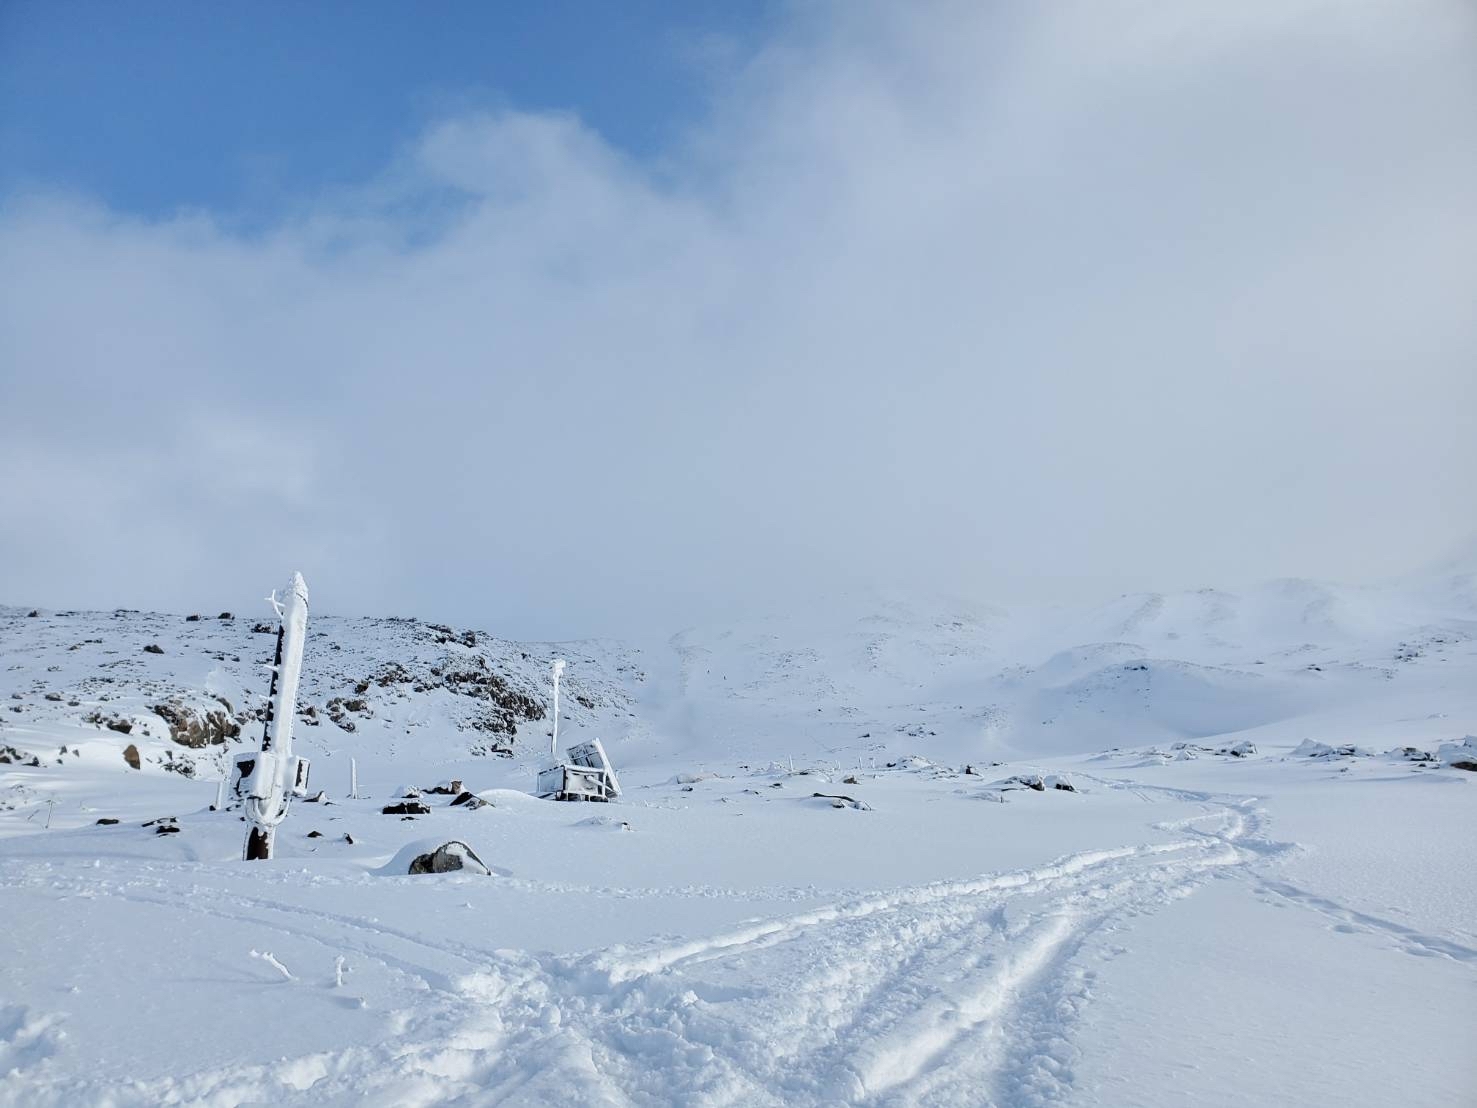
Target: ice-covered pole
[
  {"x": 554, "y": 735},
  {"x": 274, "y": 775}
]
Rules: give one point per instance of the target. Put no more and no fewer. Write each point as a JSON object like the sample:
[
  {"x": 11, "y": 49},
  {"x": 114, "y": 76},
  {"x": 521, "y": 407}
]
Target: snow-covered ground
[{"x": 1251, "y": 892}]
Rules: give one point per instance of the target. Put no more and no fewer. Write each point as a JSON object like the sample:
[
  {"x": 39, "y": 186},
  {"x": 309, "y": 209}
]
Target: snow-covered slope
[
  {"x": 186, "y": 690},
  {"x": 1176, "y": 848},
  {"x": 873, "y": 677}
]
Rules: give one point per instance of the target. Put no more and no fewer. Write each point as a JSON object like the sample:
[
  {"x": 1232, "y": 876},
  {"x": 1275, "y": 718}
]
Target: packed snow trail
[{"x": 954, "y": 992}]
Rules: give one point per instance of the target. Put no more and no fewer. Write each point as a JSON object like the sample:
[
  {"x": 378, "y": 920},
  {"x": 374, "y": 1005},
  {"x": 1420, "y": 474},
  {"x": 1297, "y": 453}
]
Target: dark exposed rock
[
  {"x": 446, "y": 788},
  {"x": 340, "y": 708},
  {"x": 406, "y": 808},
  {"x": 226, "y": 615},
  {"x": 182, "y": 765},
  {"x": 33, "y": 613},
  {"x": 470, "y": 801},
  {"x": 839, "y": 800},
  {"x": 54, "y": 697},
  {"x": 1025, "y": 781},
  {"x": 451, "y": 857},
  {"x": 263, "y": 628},
  {"x": 193, "y": 617},
  {"x": 315, "y": 834},
  {"x": 194, "y": 728},
  {"x": 392, "y": 673},
  {"x": 106, "y": 821},
  {"x": 130, "y": 755},
  {"x": 348, "y": 838},
  {"x": 153, "y": 648}
]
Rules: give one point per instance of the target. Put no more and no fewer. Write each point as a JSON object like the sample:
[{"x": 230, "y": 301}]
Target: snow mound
[{"x": 1462, "y": 755}]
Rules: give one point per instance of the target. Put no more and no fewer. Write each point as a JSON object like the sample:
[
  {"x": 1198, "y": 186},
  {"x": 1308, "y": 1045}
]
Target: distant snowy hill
[{"x": 874, "y": 678}]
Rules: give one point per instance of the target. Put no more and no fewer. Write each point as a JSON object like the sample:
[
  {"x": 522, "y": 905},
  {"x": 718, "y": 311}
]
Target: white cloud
[{"x": 1011, "y": 301}]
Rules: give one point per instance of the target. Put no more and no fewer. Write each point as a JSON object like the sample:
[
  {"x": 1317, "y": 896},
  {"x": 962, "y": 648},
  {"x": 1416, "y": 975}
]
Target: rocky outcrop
[{"x": 197, "y": 728}]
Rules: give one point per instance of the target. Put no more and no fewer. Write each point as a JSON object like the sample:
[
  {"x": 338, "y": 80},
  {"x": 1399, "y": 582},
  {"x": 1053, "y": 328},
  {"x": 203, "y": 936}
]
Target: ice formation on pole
[
  {"x": 266, "y": 781},
  {"x": 554, "y": 737}
]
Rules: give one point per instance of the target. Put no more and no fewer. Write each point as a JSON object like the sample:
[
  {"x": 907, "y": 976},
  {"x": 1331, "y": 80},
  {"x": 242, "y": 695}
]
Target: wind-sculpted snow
[
  {"x": 905, "y": 854},
  {"x": 950, "y": 993}
]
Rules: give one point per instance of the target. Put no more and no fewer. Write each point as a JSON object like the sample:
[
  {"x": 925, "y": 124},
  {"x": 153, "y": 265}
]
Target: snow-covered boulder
[
  {"x": 604, "y": 823},
  {"x": 1308, "y": 748},
  {"x": 1021, "y": 781},
  {"x": 1462, "y": 755},
  {"x": 435, "y": 856}
]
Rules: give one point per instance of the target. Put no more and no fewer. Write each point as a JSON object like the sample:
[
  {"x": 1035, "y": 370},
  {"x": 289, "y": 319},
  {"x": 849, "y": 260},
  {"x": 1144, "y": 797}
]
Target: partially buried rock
[
  {"x": 106, "y": 821},
  {"x": 153, "y": 648},
  {"x": 445, "y": 788},
  {"x": 130, "y": 755},
  {"x": 1024, "y": 781},
  {"x": 840, "y": 800},
  {"x": 469, "y": 801},
  {"x": 406, "y": 808},
  {"x": 449, "y": 858}
]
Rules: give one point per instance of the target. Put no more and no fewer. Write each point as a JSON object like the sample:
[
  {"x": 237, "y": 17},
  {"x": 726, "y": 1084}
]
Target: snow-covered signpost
[
  {"x": 554, "y": 735},
  {"x": 267, "y": 780}
]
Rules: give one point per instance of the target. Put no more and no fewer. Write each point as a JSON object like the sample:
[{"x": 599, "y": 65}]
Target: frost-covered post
[
  {"x": 353, "y": 779},
  {"x": 554, "y": 735},
  {"x": 267, "y": 780}
]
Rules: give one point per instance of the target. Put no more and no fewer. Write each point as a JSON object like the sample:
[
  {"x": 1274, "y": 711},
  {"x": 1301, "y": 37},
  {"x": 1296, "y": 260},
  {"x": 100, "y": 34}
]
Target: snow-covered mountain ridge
[{"x": 882, "y": 678}]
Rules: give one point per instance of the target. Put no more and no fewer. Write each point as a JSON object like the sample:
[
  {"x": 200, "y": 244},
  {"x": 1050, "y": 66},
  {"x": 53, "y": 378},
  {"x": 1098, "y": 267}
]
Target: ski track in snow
[{"x": 956, "y": 992}]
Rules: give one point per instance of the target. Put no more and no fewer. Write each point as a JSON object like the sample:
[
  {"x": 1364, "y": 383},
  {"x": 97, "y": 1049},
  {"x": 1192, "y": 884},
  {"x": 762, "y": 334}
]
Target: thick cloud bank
[{"x": 1016, "y": 301}]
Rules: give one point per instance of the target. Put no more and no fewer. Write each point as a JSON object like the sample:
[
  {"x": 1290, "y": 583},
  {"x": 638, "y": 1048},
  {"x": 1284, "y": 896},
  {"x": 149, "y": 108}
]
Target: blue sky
[{"x": 244, "y": 108}]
